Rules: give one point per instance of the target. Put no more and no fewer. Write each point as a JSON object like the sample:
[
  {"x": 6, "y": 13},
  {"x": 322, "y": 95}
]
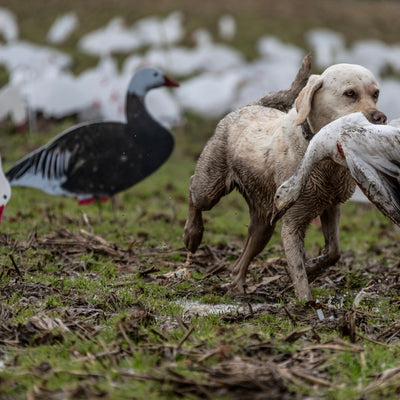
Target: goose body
[
  {"x": 370, "y": 152},
  {"x": 99, "y": 159},
  {"x": 62, "y": 28}
]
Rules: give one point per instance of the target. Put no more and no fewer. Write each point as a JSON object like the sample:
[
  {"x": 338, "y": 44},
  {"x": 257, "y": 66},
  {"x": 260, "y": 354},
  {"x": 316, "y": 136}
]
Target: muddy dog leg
[
  {"x": 293, "y": 243},
  {"x": 259, "y": 233},
  {"x": 207, "y": 186},
  {"x": 194, "y": 227},
  {"x": 331, "y": 254}
]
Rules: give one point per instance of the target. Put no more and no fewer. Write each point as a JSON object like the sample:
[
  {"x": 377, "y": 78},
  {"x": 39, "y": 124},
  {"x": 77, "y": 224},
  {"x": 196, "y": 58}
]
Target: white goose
[
  {"x": 5, "y": 191},
  {"x": 8, "y": 25},
  {"x": 62, "y": 28},
  {"x": 370, "y": 152}
]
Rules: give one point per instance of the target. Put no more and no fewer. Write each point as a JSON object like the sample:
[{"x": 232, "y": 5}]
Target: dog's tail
[{"x": 284, "y": 99}]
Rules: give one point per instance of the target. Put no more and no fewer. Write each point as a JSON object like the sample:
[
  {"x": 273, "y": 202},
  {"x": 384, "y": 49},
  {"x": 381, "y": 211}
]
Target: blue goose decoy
[{"x": 94, "y": 161}]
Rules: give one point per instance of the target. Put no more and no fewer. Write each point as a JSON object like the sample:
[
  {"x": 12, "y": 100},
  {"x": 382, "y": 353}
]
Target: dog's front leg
[
  {"x": 293, "y": 243},
  {"x": 194, "y": 227},
  {"x": 331, "y": 254}
]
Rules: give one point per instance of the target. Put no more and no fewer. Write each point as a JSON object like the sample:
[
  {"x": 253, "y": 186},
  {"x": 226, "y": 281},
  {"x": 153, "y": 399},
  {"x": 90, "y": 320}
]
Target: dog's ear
[{"x": 304, "y": 99}]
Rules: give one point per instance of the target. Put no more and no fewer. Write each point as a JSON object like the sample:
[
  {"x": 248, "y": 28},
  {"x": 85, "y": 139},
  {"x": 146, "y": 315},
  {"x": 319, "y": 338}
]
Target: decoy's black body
[{"x": 99, "y": 159}]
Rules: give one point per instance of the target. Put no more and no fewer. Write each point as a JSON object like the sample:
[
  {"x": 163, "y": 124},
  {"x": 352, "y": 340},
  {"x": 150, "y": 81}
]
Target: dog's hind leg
[{"x": 259, "y": 233}]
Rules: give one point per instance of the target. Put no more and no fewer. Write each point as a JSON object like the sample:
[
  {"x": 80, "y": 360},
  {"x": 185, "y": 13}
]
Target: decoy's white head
[
  {"x": 146, "y": 79},
  {"x": 285, "y": 196},
  {"x": 5, "y": 191}
]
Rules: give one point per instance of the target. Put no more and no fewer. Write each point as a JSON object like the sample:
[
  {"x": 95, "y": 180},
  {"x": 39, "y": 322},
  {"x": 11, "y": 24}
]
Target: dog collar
[{"x": 306, "y": 129}]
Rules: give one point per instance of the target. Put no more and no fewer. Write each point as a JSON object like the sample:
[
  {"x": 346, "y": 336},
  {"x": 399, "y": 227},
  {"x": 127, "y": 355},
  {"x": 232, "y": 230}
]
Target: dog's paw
[
  {"x": 237, "y": 287},
  {"x": 192, "y": 237}
]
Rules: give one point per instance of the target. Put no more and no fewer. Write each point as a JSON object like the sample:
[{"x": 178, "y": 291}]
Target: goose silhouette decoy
[
  {"x": 5, "y": 191},
  {"x": 94, "y": 161},
  {"x": 370, "y": 152}
]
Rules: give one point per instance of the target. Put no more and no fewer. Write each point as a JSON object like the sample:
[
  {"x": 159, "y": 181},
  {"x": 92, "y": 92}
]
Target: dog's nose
[{"x": 378, "y": 117}]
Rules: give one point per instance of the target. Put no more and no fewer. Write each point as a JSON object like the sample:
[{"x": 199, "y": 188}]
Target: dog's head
[{"x": 340, "y": 90}]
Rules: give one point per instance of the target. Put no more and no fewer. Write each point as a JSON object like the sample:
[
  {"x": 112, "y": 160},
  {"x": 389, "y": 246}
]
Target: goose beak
[
  {"x": 170, "y": 82},
  {"x": 1, "y": 211},
  {"x": 276, "y": 216}
]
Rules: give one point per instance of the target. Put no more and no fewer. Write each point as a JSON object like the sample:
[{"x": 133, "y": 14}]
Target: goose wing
[
  {"x": 48, "y": 168},
  {"x": 373, "y": 157}
]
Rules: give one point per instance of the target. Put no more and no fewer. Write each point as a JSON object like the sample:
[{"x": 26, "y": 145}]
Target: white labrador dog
[{"x": 255, "y": 149}]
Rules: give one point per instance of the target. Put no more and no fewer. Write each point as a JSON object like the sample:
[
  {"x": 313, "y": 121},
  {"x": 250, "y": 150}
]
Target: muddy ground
[{"x": 245, "y": 367}]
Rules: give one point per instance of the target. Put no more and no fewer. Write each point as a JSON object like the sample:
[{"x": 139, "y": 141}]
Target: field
[{"x": 102, "y": 303}]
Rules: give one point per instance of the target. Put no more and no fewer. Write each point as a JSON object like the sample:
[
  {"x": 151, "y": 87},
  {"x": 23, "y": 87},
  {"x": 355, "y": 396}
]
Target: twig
[
  {"x": 206, "y": 356},
  {"x": 159, "y": 334},
  {"x": 108, "y": 352},
  {"x": 250, "y": 309},
  {"x": 182, "y": 324},
  {"x": 100, "y": 355},
  {"x": 292, "y": 319},
  {"x": 78, "y": 373},
  {"x": 286, "y": 289},
  {"x": 214, "y": 270},
  {"x": 123, "y": 333},
  {"x": 395, "y": 327},
  {"x": 87, "y": 222},
  {"x": 148, "y": 271},
  {"x": 185, "y": 336},
  {"x": 373, "y": 341},
  {"x": 123, "y": 283},
  {"x": 313, "y": 379},
  {"x": 15, "y": 266}
]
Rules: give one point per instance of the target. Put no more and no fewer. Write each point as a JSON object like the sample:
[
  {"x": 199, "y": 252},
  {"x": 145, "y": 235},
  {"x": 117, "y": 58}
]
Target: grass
[{"x": 83, "y": 318}]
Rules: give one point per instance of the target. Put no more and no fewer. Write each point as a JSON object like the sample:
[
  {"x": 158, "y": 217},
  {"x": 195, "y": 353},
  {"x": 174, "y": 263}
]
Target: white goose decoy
[
  {"x": 62, "y": 28},
  {"x": 154, "y": 31},
  {"x": 227, "y": 27},
  {"x": 370, "y": 152},
  {"x": 8, "y": 25},
  {"x": 114, "y": 38},
  {"x": 326, "y": 45},
  {"x": 18, "y": 54},
  {"x": 99, "y": 159},
  {"x": 209, "y": 94},
  {"x": 5, "y": 191},
  {"x": 215, "y": 57},
  {"x": 12, "y": 104},
  {"x": 57, "y": 94},
  {"x": 274, "y": 49}
]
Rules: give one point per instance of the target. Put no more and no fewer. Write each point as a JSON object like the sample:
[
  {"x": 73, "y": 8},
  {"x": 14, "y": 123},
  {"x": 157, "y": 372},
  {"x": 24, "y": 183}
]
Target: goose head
[
  {"x": 146, "y": 79},
  {"x": 285, "y": 196}
]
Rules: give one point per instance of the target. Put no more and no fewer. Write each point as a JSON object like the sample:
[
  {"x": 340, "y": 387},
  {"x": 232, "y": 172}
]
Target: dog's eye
[
  {"x": 375, "y": 96},
  {"x": 350, "y": 93}
]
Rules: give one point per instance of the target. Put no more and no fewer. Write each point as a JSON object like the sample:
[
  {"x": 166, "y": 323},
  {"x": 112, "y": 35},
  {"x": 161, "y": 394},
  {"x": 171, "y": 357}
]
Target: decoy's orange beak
[
  {"x": 1, "y": 211},
  {"x": 170, "y": 82}
]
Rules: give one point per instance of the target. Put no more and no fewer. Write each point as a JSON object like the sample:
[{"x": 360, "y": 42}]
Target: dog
[{"x": 256, "y": 148}]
